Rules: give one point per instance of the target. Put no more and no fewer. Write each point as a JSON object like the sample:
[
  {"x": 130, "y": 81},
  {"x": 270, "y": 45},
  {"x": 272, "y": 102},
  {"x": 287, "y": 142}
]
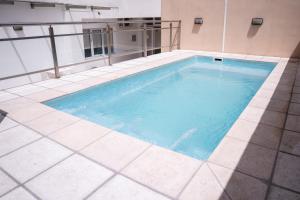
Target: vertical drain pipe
[
  {"x": 145, "y": 40},
  {"x": 179, "y": 34},
  {"x": 224, "y": 27},
  {"x": 108, "y": 41},
  {"x": 54, "y": 54},
  {"x": 171, "y": 37}
]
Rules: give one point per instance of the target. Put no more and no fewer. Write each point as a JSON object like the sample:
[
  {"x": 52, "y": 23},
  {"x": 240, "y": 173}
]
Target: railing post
[
  {"x": 54, "y": 54},
  {"x": 171, "y": 36},
  {"x": 108, "y": 41},
  {"x": 179, "y": 34},
  {"x": 145, "y": 40}
]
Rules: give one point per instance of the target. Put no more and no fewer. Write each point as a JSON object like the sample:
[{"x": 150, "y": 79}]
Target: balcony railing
[{"x": 173, "y": 28}]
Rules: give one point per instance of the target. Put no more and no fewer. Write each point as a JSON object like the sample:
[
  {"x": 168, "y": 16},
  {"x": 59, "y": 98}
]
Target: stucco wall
[{"x": 278, "y": 36}]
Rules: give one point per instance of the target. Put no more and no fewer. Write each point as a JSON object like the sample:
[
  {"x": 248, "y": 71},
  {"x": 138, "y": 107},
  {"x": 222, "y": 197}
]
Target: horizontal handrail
[
  {"x": 108, "y": 30},
  {"x": 86, "y": 22},
  {"x": 81, "y": 33},
  {"x": 83, "y": 62}
]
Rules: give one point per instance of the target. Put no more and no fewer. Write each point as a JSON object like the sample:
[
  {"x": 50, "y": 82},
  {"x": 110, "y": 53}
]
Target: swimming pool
[{"x": 186, "y": 106}]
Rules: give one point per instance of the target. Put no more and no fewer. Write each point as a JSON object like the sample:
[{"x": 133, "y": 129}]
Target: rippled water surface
[{"x": 187, "y": 106}]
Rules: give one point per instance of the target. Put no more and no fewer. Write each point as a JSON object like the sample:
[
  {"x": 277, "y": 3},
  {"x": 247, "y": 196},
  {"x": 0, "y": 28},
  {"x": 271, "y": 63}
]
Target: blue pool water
[{"x": 186, "y": 106}]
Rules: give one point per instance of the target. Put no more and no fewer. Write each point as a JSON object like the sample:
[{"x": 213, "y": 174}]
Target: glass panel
[
  {"x": 87, "y": 43},
  {"x": 97, "y": 41}
]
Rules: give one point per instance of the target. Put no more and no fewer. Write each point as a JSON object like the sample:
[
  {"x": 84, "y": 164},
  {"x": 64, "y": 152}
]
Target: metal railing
[{"x": 108, "y": 31}]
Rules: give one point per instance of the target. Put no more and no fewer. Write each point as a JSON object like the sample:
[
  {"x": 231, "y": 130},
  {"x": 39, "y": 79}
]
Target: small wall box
[
  {"x": 18, "y": 28},
  {"x": 257, "y": 21},
  {"x": 198, "y": 20}
]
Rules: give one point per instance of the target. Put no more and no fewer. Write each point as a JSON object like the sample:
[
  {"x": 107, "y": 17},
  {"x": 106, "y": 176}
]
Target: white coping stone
[
  {"x": 248, "y": 158},
  {"x": 51, "y": 122},
  {"x": 238, "y": 185},
  {"x": 163, "y": 170},
  {"x": 203, "y": 186},
  {"x": 78, "y": 135},
  {"x": 30, "y": 112},
  {"x": 123, "y": 188},
  {"x": 18, "y": 194},
  {"x": 115, "y": 150},
  {"x": 74, "y": 178},
  {"x": 28, "y": 161}
]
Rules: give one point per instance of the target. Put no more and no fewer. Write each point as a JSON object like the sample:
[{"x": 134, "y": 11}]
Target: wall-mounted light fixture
[
  {"x": 18, "y": 28},
  {"x": 257, "y": 21},
  {"x": 198, "y": 20}
]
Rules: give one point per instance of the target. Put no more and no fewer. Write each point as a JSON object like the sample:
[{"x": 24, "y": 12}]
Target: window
[
  {"x": 94, "y": 41},
  {"x": 87, "y": 43}
]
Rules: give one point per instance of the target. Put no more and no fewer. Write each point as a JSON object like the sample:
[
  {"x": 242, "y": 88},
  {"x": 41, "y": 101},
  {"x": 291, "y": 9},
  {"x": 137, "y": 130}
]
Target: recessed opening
[{"x": 218, "y": 59}]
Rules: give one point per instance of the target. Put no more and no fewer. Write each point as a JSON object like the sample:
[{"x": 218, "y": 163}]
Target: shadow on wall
[
  {"x": 196, "y": 28},
  {"x": 252, "y": 31},
  {"x": 269, "y": 165},
  {"x": 296, "y": 52}
]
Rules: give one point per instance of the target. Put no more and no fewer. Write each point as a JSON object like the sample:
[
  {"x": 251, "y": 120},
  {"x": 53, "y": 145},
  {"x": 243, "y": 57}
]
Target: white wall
[{"x": 25, "y": 56}]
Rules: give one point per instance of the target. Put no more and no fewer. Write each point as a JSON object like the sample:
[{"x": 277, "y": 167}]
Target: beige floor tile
[
  {"x": 27, "y": 162},
  {"x": 79, "y": 134},
  {"x": 93, "y": 81},
  {"x": 290, "y": 142},
  {"x": 73, "y": 87},
  {"x": 277, "y": 193},
  {"x": 293, "y": 123},
  {"x": 248, "y": 158},
  {"x": 296, "y": 89},
  {"x": 163, "y": 170},
  {"x": 30, "y": 112},
  {"x": 204, "y": 185},
  {"x": 276, "y": 95},
  {"x": 264, "y": 135},
  {"x": 295, "y": 98},
  {"x": 122, "y": 188},
  {"x": 294, "y": 109},
  {"x": 16, "y": 137},
  {"x": 17, "y": 194},
  {"x": 15, "y": 104},
  {"x": 238, "y": 185},
  {"x": 274, "y": 86},
  {"x": 74, "y": 178},
  {"x": 287, "y": 171},
  {"x": 51, "y": 122},
  {"x": 6, "y": 183},
  {"x": 272, "y": 105},
  {"x": 267, "y": 117},
  {"x": 115, "y": 150},
  {"x": 45, "y": 95}
]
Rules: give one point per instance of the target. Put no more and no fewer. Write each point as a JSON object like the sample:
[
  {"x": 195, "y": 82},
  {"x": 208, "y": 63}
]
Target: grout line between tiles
[
  {"x": 218, "y": 180},
  {"x": 277, "y": 152}
]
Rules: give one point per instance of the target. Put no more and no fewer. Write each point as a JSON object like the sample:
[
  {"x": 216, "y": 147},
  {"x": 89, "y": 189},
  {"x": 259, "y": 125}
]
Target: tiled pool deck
[{"x": 48, "y": 154}]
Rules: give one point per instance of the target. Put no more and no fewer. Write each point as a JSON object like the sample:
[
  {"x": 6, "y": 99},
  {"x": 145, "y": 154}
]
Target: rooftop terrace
[{"x": 48, "y": 154}]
